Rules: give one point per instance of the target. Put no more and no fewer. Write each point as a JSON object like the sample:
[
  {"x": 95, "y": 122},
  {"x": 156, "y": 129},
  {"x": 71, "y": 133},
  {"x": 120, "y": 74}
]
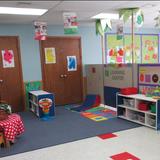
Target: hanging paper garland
[
  {"x": 102, "y": 25},
  {"x": 157, "y": 19},
  {"x": 139, "y": 19},
  {"x": 40, "y": 30},
  {"x": 126, "y": 14}
]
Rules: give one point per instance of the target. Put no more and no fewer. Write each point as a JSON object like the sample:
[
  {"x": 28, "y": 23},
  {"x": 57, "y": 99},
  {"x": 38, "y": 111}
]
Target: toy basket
[
  {"x": 153, "y": 108},
  {"x": 152, "y": 122},
  {"x": 141, "y": 118},
  {"x": 129, "y": 91},
  {"x": 128, "y": 102}
]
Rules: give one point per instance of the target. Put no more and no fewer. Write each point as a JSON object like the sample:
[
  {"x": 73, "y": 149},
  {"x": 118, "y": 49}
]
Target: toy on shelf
[{"x": 154, "y": 93}]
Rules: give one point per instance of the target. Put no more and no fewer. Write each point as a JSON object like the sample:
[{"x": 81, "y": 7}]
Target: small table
[{"x": 13, "y": 126}]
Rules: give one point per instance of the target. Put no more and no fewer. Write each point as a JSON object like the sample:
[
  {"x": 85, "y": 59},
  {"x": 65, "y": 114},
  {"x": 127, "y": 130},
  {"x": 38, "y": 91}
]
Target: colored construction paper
[
  {"x": 148, "y": 78},
  {"x": 149, "y": 48},
  {"x": 124, "y": 156},
  {"x": 40, "y": 30},
  {"x": 70, "y": 23},
  {"x": 107, "y": 136},
  {"x": 71, "y": 63},
  {"x": 8, "y": 58},
  {"x": 119, "y": 59},
  {"x": 50, "y": 55}
]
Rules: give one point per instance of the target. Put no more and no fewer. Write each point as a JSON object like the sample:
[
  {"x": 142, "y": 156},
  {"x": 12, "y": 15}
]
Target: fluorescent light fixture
[
  {"x": 106, "y": 16},
  {"x": 22, "y": 11}
]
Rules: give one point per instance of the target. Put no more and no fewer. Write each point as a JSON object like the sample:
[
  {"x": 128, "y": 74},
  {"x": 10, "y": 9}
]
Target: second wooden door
[{"x": 57, "y": 78}]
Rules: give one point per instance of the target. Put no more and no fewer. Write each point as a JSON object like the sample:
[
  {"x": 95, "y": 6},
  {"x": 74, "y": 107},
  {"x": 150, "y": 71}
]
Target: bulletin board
[
  {"x": 150, "y": 49},
  {"x": 128, "y": 48},
  {"x": 113, "y": 46},
  {"x": 146, "y": 48},
  {"x": 148, "y": 77}
]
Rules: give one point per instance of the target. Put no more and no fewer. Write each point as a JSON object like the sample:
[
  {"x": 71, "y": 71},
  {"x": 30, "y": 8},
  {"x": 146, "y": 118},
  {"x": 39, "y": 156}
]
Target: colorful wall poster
[
  {"x": 149, "y": 48},
  {"x": 8, "y": 58},
  {"x": 71, "y": 63},
  {"x": 70, "y": 23},
  {"x": 50, "y": 55},
  {"x": 136, "y": 48},
  {"x": 40, "y": 30},
  {"x": 115, "y": 52}
]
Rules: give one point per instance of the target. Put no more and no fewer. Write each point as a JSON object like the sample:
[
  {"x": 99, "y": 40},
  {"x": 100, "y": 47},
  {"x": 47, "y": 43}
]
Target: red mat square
[
  {"x": 124, "y": 156},
  {"x": 107, "y": 136}
]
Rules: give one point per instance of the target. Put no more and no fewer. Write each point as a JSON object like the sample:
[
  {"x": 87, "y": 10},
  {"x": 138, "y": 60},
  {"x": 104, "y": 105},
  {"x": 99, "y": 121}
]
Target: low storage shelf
[
  {"x": 140, "y": 109},
  {"x": 42, "y": 104}
]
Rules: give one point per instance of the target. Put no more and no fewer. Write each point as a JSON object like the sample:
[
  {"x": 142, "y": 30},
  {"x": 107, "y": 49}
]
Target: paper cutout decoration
[
  {"x": 50, "y": 55},
  {"x": 141, "y": 77},
  {"x": 8, "y": 58},
  {"x": 149, "y": 49},
  {"x": 155, "y": 78},
  {"x": 71, "y": 63},
  {"x": 139, "y": 19},
  {"x": 70, "y": 23},
  {"x": 102, "y": 26},
  {"x": 119, "y": 59},
  {"x": 40, "y": 30},
  {"x": 148, "y": 78},
  {"x": 119, "y": 31}
]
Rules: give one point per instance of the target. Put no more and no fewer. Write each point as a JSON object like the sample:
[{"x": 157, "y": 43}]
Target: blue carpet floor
[{"x": 66, "y": 127}]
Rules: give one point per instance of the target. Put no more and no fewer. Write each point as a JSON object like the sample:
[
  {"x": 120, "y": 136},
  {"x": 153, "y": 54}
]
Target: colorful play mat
[{"x": 97, "y": 113}]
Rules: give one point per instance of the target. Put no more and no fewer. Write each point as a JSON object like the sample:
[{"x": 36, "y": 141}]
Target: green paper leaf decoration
[
  {"x": 157, "y": 19},
  {"x": 126, "y": 13},
  {"x": 101, "y": 30}
]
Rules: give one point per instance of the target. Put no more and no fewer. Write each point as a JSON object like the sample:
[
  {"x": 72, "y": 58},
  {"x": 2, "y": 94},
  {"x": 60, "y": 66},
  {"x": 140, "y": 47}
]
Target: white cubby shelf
[{"x": 127, "y": 108}]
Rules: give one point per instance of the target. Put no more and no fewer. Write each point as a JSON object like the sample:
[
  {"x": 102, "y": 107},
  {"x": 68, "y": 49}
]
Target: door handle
[
  {"x": 65, "y": 75},
  {"x": 1, "y": 80},
  {"x": 61, "y": 76}
]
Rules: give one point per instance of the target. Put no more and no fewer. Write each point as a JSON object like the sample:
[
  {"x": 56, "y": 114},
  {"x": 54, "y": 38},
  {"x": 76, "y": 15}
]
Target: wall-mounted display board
[
  {"x": 149, "y": 49},
  {"x": 148, "y": 77},
  {"x": 118, "y": 76},
  {"x": 114, "y": 49},
  {"x": 146, "y": 48},
  {"x": 128, "y": 49}
]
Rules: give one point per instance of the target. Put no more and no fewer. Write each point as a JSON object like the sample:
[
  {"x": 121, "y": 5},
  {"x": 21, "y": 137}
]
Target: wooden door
[
  {"x": 66, "y": 85},
  {"x": 11, "y": 82}
]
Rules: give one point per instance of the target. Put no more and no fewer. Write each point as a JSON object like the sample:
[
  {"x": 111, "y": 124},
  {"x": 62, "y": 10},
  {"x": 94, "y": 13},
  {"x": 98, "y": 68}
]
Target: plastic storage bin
[
  {"x": 128, "y": 102},
  {"x": 153, "y": 108},
  {"x": 129, "y": 91}
]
